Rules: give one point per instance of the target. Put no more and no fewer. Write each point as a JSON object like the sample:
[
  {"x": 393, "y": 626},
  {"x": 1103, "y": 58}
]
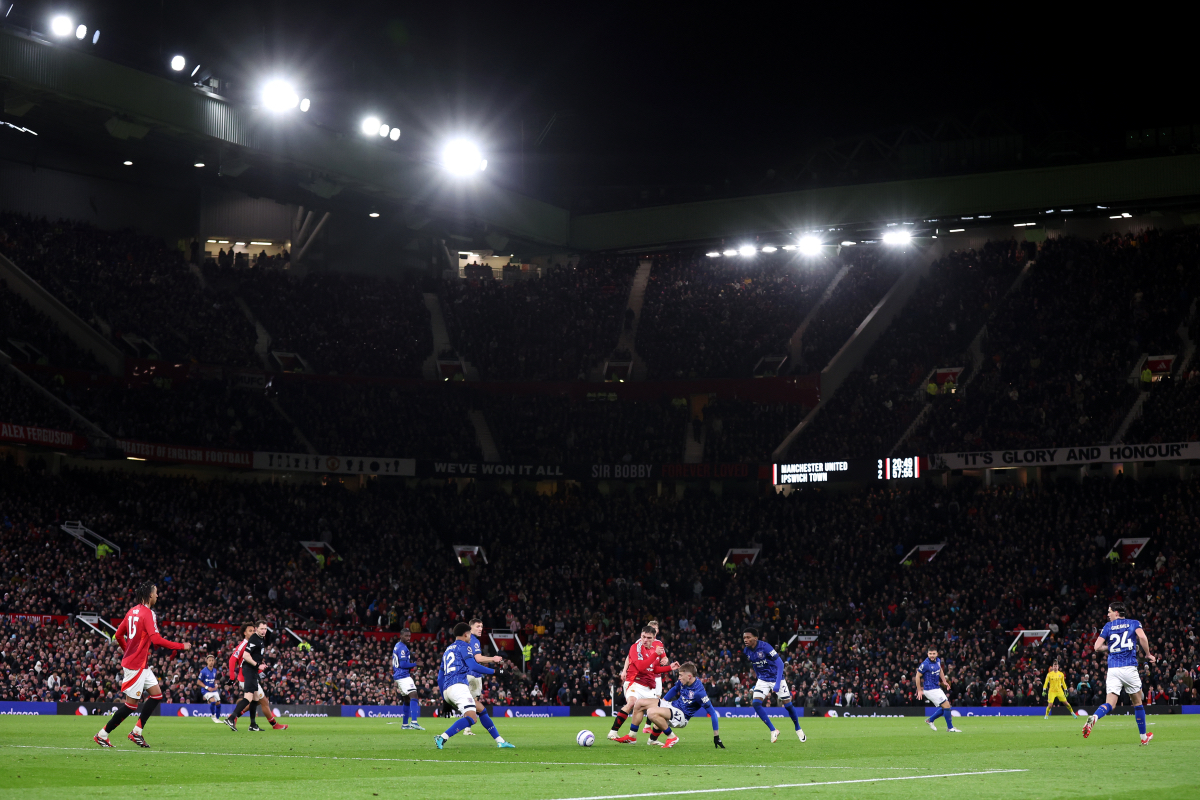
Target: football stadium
[{"x": 595, "y": 403}]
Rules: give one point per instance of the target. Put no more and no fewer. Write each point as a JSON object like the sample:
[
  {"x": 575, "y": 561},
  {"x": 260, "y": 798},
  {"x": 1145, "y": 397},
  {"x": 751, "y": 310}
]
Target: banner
[
  {"x": 206, "y": 456},
  {"x": 532, "y": 711},
  {"x": 18, "y": 709},
  {"x": 105, "y": 709},
  {"x": 1066, "y": 456},
  {"x": 199, "y": 710},
  {"x": 345, "y": 465},
  {"x": 1130, "y": 548},
  {"x": 924, "y": 553},
  {"x": 363, "y": 712},
  {"x": 248, "y": 380},
  {"x": 47, "y": 437},
  {"x": 856, "y": 712},
  {"x": 35, "y": 619}
]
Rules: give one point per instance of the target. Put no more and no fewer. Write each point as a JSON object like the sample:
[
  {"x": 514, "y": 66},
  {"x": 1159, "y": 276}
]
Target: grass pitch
[{"x": 1014, "y": 757}]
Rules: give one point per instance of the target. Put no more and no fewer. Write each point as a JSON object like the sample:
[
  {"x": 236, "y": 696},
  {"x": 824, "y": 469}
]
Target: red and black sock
[
  {"x": 119, "y": 716},
  {"x": 619, "y": 720},
  {"x": 148, "y": 707}
]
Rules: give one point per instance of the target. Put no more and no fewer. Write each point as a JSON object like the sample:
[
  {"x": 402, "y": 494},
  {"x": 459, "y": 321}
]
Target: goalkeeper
[{"x": 1053, "y": 689}]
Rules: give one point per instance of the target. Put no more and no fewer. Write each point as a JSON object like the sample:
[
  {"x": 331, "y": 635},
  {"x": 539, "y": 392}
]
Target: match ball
[{"x": 585, "y": 739}]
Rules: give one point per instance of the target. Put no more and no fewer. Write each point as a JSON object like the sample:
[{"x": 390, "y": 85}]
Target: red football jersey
[
  {"x": 136, "y": 633},
  {"x": 235, "y": 661},
  {"x": 643, "y": 663}
]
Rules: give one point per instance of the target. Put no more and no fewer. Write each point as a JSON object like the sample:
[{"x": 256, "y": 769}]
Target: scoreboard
[{"x": 857, "y": 471}]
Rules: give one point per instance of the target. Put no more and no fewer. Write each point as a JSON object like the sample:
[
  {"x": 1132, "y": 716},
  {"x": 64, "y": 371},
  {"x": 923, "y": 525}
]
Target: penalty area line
[{"x": 792, "y": 785}]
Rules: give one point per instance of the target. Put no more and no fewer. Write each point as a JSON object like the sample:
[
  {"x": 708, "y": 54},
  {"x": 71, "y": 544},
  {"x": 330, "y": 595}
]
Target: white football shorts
[
  {"x": 764, "y": 688},
  {"x": 1126, "y": 678},
  {"x": 135, "y": 680},
  {"x": 635, "y": 691},
  {"x": 678, "y": 718},
  {"x": 658, "y": 687},
  {"x": 212, "y": 697},
  {"x": 406, "y": 685},
  {"x": 459, "y": 696},
  {"x": 475, "y": 684},
  {"x": 935, "y": 696}
]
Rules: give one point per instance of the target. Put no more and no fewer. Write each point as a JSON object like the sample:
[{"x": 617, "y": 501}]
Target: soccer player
[
  {"x": 1055, "y": 684},
  {"x": 1122, "y": 666},
  {"x": 930, "y": 679},
  {"x": 406, "y": 687},
  {"x": 477, "y": 671},
  {"x": 661, "y": 650},
  {"x": 254, "y": 694},
  {"x": 645, "y": 663},
  {"x": 137, "y": 631},
  {"x": 682, "y": 702},
  {"x": 453, "y": 675},
  {"x": 768, "y": 666},
  {"x": 208, "y": 688}
]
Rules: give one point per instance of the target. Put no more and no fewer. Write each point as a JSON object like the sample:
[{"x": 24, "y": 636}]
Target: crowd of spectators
[
  {"x": 22, "y": 404},
  {"x": 600, "y": 429},
  {"x": 716, "y": 317},
  {"x": 28, "y": 335},
  {"x": 558, "y": 327},
  {"x": 1060, "y": 349},
  {"x": 1171, "y": 413},
  {"x": 123, "y": 283},
  {"x": 740, "y": 430},
  {"x": 577, "y": 573},
  {"x": 876, "y": 403}
]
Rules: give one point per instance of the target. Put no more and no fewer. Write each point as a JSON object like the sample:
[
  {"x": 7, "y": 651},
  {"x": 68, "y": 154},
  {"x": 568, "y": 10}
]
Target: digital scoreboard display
[
  {"x": 891, "y": 468},
  {"x": 813, "y": 472},
  {"x": 860, "y": 471}
]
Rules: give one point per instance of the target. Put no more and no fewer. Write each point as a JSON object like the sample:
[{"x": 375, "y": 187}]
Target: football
[{"x": 585, "y": 739}]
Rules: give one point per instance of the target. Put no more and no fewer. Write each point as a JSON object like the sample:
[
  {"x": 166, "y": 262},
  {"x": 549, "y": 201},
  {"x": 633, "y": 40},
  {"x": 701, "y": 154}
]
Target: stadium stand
[
  {"x": 738, "y": 430},
  {"x": 27, "y": 335}
]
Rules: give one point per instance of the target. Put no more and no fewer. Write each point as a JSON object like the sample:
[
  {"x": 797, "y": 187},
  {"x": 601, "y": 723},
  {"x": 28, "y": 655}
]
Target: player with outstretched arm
[
  {"x": 684, "y": 700},
  {"x": 1122, "y": 650},
  {"x": 453, "y": 675}
]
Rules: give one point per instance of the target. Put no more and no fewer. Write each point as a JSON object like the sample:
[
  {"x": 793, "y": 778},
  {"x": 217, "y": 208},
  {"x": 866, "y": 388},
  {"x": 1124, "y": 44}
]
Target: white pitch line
[
  {"x": 437, "y": 760},
  {"x": 792, "y": 785}
]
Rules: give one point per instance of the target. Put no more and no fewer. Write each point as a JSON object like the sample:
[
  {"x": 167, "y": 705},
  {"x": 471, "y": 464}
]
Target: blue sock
[
  {"x": 668, "y": 730},
  {"x": 937, "y": 712},
  {"x": 404, "y": 714},
  {"x": 414, "y": 710},
  {"x": 489, "y": 725},
  {"x": 462, "y": 723},
  {"x": 949, "y": 718},
  {"x": 214, "y": 709},
  {"x": 633, "y": 726},
  {"x": 1140, "y": 713},
  {"x": 791, "y": 709},
  {"x": 1102, "y": 710},
  {"x": 762, "y": 714}
]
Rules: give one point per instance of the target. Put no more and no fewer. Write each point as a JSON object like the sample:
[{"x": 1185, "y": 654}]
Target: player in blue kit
[
  {"x": 684, "y": 700},
  {"x": 1121, "y": 638},
  {"x": 475, "y": 681},
  {"x": 930, "y": 679},
  {"x": 406, "y": 687},
  {"x": 208, "y": 688},
  {"x": 452, "y": 680},
  {"x": 768, "y": 667}
]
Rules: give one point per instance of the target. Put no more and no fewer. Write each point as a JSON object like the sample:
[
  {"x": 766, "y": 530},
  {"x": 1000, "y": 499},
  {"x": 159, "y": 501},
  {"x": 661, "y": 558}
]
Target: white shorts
[
  {"x": 1126, "y": 678},
  {"x": 935, "y": 696},
  {"x": 658, "y": 687},
  {"x": 406, "y": 685},
  {"x": 475, "y": 685},
  {"x": 212, "y": 697},
  {"x": 764, "y": 688},
  {"x": 135, "y": 680},
  {"x": 459, "y": 696},
  {"x": 635, "y": 691},
  {"x": 678, "y": 718}
]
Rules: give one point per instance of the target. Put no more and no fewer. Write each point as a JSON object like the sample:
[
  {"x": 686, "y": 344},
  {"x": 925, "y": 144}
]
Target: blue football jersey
[
  {"x": 688, "y": 699},
  {"x": 762, "y": 657},
  {"x": 454, "y": 668},
  {"x": 208, "y": 678},
  {"x": 401, "y": 659},
  {"x": 931, "y": 674},
  {"x": 474, "y": 650},
  {"x": 1121, "y": 636}
]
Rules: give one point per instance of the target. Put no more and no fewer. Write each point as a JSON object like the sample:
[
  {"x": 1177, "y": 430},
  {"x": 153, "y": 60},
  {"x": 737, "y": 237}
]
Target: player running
[
  {"x": 930, "y": 679},
  {"x": 477, "y": 671},
  {"x": 682, "y": 702},
  {"x": 208, "y": 687},
  {"x": 768, "y": 666},
  {"x": 661, "y": 650},
  {"x": 453, "y": 675},
  {"x": 644, "y": 664},
  {"x": 1122, "y": 666},
  {"x": 406, "y": 687},
  {"x": 137, "y": 631},
  {"x": 1055, "y": 684}
]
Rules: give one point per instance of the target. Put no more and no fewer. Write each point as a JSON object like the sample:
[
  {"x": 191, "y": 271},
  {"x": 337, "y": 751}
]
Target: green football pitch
[{"x": 1014, "y": 757}]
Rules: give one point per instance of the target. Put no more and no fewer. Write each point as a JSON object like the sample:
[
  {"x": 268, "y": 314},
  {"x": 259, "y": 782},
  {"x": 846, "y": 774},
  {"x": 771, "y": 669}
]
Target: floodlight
[
  {"x": 96, "y": 36},
  {"x": 178, "y": 63},
  {"x": 770, "y": 248},
  {"x": 810, "y": 245},
  {"x": 713, "y": 254},
  {"x": 729, "y": 252},
  {"x": 279, "y": 95},
  {"x": 194, "y": 71},
  {"x": 849, "y": 244},
  {"x": 304, "y": 104},
  {"x": 789, "y": 247},
  {"x": 462, "y": 157},
  {"x": 127, "y": 163},
  {"x": 81, "y": 32},
  {"x": 61, "y": 26},
  {"x": 373, "y": 214},
  {"x": 746, "y": 250},
  {"x": 897, "y": 237},
  {"x": 198, "y": 164},
  {"x": 370, "y": 126},
  {"x": 395, "y": 136},
  {"x": 384, "y": 130}
]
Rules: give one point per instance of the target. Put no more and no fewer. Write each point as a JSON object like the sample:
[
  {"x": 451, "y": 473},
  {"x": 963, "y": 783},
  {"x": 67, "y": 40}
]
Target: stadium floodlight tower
[
  {"x": 278, "y": 96},
  {"x": 462, "y": 157}
]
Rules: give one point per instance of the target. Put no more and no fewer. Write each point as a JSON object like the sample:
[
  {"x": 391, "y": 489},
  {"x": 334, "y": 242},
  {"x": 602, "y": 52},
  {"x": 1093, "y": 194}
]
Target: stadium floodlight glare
[
  {"x": 713, "y": 254},
  {"x": 789, "y": 247},
  {"x": 178, "y": 63},
  {"x": 1126, "y": 214},
  {"x": 462, "y": 157},
  {"x": 957, "y": 230},
  {"x": 81, "y": 32},
  {"x": 730, "y": 252},
  {"x": 897, "y": 237},
  {"x": 278, "y": 95},
  {"x": 370, "y": 126},
  {"x": 127, "y": 163},
  {"x": 770, "y": 248},
  {"x": 195, "y": 69},
  {"x": 198, "y": 165},
  {"x": 849, "y": 244},
  {"x": 96, "y": 36},
  {"x": 810, "y": 245},
  {"x": 304, "y": 104},
  {"x": 373, "y": 214},
  {"x": 61, "y": 26},
  {"x": 395, "y": 137},
  {"x": 747, "y": 250},
  {"x": 384, "y": 130}
]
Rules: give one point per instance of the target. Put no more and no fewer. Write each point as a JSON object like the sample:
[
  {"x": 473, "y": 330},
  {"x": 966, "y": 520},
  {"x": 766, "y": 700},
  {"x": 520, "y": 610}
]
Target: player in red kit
[
  {"x": 135, "y": 634},
  {"x": 645, "y": 663},
  {"x": 235, "y": 674}
]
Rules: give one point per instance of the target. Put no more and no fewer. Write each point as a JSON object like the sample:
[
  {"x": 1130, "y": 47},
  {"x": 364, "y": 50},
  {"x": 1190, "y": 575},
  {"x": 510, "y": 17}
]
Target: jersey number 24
[{"x": 1120, "y": 642}]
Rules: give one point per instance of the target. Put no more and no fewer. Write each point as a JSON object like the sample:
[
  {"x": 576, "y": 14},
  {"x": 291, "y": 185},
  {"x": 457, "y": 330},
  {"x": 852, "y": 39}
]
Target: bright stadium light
[
  {"x": 304, "y": 104},
  {"x": 810, "y": 245},
  {"x": 395, "y": 136},
  {"x": 462, "y": 157},
  {"x": 384, "y": 130},
  {"x": 61, "y": 26},
  {"x": 199, "y": 165},
  {"x": 127, "y": 163},
  {"x": 747, "y": 250},
  {"x": 279, "y": 95},
  {"x": 373, "y": 215},
  {"x": 770, "y": 248},
  {"x": 897, "y": 237},
  {"x": 96, "y": 36},
  {"x": 370, "y": 126},
  {"x": 729, "y": 252},
  {"x": 789, "y": 247},
  {"x": 713, "y": 254},
  {"x": 849, "y": 244},
  {"x": 178, "y": 63},
  {"x": 81, "y": 32}
]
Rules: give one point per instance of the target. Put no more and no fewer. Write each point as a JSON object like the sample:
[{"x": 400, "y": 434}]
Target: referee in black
[{"x": 252, "y": 661}]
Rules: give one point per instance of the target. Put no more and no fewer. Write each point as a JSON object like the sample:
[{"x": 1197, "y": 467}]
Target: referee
[{"x": 252, "y": 659}]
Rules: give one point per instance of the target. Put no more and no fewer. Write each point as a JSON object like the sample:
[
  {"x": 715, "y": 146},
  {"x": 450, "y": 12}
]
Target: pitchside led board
[{"x": 858, "y": 471}]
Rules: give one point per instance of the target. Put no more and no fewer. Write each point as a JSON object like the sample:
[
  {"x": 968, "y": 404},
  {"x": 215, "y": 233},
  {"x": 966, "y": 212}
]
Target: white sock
[
  {"x": 137, "y": 729},
  {"x": 103, "y": 734}
]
